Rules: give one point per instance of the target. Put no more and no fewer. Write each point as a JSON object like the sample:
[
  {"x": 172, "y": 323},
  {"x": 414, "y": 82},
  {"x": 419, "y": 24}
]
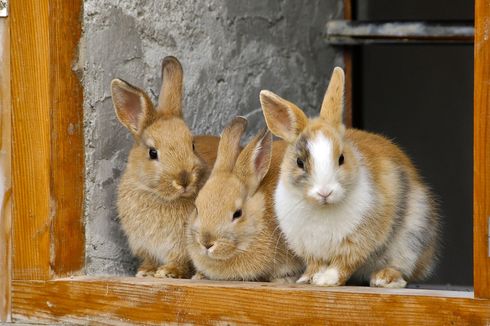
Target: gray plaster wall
[{"x": 230, "y": 50}]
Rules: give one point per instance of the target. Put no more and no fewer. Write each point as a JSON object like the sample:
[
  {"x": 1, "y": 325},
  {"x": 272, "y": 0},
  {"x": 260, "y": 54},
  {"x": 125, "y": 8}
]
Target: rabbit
[
  {"x": 233, "y": 234},
  {"x": 166, "y": 168},
  {"x": 350, "y": 202}
]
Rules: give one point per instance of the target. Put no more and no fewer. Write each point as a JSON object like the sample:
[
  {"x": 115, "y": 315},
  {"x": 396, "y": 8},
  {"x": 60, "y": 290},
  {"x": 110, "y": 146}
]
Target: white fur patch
[
  {"x": 323, "y": 174},
  {"x": 401, "y": 252},
  {"x": 328, "y": 277},
  {"x": 321, "y": 150},
  {"x": 317, "y": 231},
  {"x": 417, "y": 209}
]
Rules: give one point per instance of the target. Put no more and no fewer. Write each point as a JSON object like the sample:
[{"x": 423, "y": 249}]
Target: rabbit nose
[
  {"x": 206, "y": 241},
  {"x": 324, "y": 194},
  {"x": 184, "y": 179},
  {"x": 208, "y": 245}
]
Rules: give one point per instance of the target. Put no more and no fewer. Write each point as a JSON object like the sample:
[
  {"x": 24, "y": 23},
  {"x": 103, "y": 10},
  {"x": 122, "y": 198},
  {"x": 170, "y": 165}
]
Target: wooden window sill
[{"x": 149, "y": 300}]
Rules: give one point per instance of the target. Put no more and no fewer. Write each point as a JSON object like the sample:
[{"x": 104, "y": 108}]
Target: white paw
[
  {"x": 383, "y": 283},
  {"x": 304, "y": 279},
  {"x": 326, "y": 277}
]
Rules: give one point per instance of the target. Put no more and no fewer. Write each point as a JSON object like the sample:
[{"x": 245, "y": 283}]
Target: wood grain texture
[
  {"x": 348, "y": 71},
  {"x": 31, "y": 145},
  {"x": 67, "y": 144},
  {"x": 151, "y": 301},
  {"x": 5, "y": 174},
  {"x": 481, "y": 182},
  {"x": 47, "y": 139}
]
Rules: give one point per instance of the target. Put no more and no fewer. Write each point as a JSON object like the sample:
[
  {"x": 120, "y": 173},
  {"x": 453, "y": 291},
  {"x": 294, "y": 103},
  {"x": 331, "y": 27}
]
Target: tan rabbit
[
  {"x": 234, "y": 233},
  {"x": 165, "y": 170},
  {"x": 348, "y": 201}
]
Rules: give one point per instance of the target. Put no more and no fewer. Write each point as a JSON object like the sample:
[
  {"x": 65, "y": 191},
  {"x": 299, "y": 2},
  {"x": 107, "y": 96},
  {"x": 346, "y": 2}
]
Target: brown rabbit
[
  {"x": 350, "y": 202},
  {"x": 166, "y": 168},
  {"x": 234, "y": 233}
]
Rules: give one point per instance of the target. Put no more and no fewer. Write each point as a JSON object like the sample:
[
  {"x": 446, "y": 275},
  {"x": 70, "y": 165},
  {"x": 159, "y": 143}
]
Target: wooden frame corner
[{"x": 48, "y": 234}]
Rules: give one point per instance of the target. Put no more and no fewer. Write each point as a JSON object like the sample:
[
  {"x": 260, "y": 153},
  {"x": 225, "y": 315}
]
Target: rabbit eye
[
  {"x": 341, "y": 159},
  {"x": 153, "y": 153},
  {"x": 300, "y": 163},
  {"x": 237, "y": 214},
  {"x": 193, "y": 147}
]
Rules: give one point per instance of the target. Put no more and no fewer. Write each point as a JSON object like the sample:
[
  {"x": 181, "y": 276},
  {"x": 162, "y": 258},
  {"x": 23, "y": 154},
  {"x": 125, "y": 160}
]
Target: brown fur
[
  {"x": 389, "y": 229},
  {"x": 250, "y": 247},
  {"x": 156, "y": 196}
]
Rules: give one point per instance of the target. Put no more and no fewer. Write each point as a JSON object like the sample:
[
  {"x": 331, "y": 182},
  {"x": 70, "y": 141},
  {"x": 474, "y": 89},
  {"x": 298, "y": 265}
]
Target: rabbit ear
[
  {"x": 133, "y": 107},
  {"x": 229, "y": 145},
  {"x": 283, "y": 118},
  {"x": 170, "y": 100},
  {"x": 333, "y": 102},
  {"x": 254, "y": 161}
]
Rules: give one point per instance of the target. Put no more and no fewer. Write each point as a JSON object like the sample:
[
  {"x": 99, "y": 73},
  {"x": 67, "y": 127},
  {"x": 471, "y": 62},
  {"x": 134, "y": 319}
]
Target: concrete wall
[{"x": 230, "y": 49}]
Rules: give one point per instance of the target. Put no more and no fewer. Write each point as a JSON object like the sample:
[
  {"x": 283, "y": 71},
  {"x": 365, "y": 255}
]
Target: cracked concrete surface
[{"x": 230, "y": 50}]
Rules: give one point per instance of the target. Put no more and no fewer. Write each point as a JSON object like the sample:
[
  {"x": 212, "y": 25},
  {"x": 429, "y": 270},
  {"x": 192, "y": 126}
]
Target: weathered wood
[
  {"x": 31, "y": 143},
  {"x": 481, "y": 183},
  {"x": 353, "y": 32},
  {"x": 67, "y": 144},
  {"x": 46, "y": 109},
  {"x": 47, "y": 139},
  {"x": 5, "y": 174},
  {"x": 114, "y": 301}
]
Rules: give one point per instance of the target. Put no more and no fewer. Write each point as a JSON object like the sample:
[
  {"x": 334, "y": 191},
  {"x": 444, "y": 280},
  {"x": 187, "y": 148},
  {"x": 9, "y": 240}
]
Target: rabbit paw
[
  {"x": 327, "y": 277},
  {"x": 304, "y": 279},
  {"x": 165, "y": 271},
  {"x": 143, "y": 272},
  {"x": 199, "y": 276},
  {"x": 388, "y": 278}
]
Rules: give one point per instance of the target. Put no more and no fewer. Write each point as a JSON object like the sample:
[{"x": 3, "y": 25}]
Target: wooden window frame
[{"x": 42, "y": 254}]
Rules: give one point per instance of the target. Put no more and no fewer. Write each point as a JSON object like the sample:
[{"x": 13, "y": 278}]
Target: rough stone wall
[{"x": 230, "y": 50}]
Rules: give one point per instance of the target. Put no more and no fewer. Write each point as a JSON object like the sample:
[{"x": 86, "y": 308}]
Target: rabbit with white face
[
  {"x": 350, "y": 202},
  {"x": 166, "y": 168},
  {"x": 234, "y": 234}
]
